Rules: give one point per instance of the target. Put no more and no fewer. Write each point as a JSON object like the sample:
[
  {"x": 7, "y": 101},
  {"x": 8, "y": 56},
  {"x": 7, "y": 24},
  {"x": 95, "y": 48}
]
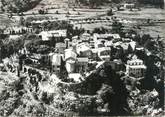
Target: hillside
[
  {"x": 18, "y": 5},
  {"x": 104, "y": 92},
  {"x": 5, "y": 21}
]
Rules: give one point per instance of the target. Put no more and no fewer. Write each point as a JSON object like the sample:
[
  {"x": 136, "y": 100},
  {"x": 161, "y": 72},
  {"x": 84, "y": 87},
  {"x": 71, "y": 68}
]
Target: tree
[
  {"x": 93, "y": 3},
  {"x": 117, "y": 27},
  {"x": 106, "y": 92},
  {"x": 110, "y": 12},
  {"x": 88, "y": 107},
  {"x": 57, "y": 12},
  {"x": 2, "y": 9},
  {"x": 41, "y": 11},
  {"x": 22, "y": 20},
  {"x": 18, "y": 6},
  {"x": 145, "y": 39}
]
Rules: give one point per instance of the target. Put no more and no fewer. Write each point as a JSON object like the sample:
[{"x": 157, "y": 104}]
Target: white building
[
  {"x": 101, "y": 43},
  {"x": 128, "y": 5},
  {"x": 85, "y": 36},
  {"x": 108, "y": 37},
  {"x": 70, "y": 59},
  {"x": 67, "y": 43},
  {"x": 17, "y": 30},
  {"x": 135, "y": 67},
  {"x": 81, "y": 64},
  {"x": 133, "y": 45},
  {"x": 47, "y": 35},
  {"x": 60, "y": 47},
  {"x": 55, "y": 59},
  {"x": 104, "y": 53},
  {"x": 77, "y": 77},
  {"x": 83, "y": 50}
]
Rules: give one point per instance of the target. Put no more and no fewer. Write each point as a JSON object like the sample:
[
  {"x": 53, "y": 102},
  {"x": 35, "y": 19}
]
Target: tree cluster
[
  {"x": 93, "y": 3},
  {"x": 18, "y": 6},
  {"x": 11, "y": 47}
]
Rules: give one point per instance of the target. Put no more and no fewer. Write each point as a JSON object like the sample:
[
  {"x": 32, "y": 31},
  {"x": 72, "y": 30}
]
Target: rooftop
[
  {"x": 115, "y": 36},
  {"x": 69, "y": 53},
  {"x": 76, "y": 76}
]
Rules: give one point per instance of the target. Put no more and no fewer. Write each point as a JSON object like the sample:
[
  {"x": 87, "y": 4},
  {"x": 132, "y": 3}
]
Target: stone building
[{"x": 70, "y": 59}]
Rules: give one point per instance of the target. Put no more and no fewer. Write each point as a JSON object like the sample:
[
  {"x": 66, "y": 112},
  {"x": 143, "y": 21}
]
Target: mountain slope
[{"x": 18, "y": 5}]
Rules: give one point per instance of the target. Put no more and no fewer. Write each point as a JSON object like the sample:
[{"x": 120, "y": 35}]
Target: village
[{"x": 61, "y": 59}]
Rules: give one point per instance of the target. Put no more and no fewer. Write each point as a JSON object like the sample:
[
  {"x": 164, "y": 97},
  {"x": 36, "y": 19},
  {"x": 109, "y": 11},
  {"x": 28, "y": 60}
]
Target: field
[
  {"x": 61, "y": 6},
  {"x": 147, "y": 13},
  {"x": 154, "y": 14}
]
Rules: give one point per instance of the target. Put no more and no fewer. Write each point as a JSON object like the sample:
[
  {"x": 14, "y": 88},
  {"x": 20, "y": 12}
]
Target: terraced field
[
  {"x": 154, "y": 14},
  {"x": 52, "y": 3}
]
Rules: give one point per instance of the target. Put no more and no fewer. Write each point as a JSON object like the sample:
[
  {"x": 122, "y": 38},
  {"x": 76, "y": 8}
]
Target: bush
[{"x": 110, "y": 13}]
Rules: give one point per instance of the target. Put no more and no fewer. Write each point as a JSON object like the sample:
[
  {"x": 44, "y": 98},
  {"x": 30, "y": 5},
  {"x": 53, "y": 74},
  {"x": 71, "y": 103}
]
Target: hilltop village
[{"x": 59, "y": 66}]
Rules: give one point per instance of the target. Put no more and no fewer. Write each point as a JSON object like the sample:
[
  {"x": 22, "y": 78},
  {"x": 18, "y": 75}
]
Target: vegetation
[
  {"x": 152, "y": 55},
  {"x": 93, "y": 3},
  {"x": 109, "y": 92},
  {"x": 10, "y": 47},
  {"x": 110, "y": 12},
  {"x": 101, "y": 30},
  {"x": 117, "y": 27},
  {"x": 42, "y": 11},
  {"x": 18, "y": 6}
]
